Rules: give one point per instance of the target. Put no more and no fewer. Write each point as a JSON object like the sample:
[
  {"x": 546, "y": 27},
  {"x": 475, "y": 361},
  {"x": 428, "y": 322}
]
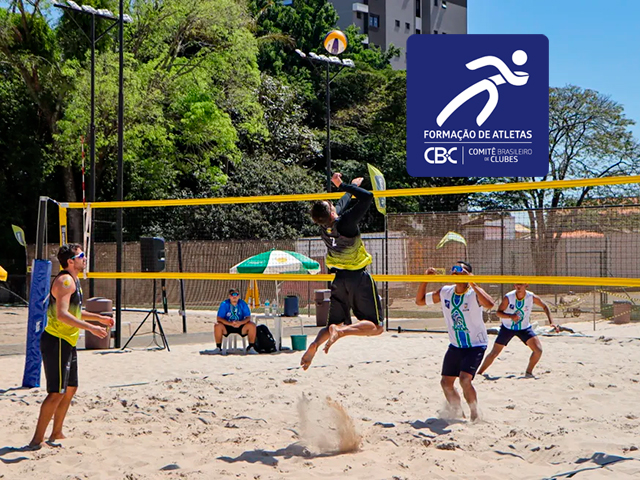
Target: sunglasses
[
  {"x": 234, "y": 294},
  {"x": 80, "y": 255},
  {"x": 457, "y": 269}
]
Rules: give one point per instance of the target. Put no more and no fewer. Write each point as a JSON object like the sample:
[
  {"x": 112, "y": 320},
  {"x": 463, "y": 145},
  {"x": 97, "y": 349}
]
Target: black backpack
[{"x": 264, "y": 340}]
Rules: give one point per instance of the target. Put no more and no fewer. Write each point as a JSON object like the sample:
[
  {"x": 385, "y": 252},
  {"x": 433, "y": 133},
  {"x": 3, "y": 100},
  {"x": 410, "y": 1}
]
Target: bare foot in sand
[
  {"x": 334, "y": 335},
  {"x": 475, "y": 412},
  {"x": 32, "y": 447},
  {"x": 56, "y": 436},
  {"x": 307, "y": 358}
]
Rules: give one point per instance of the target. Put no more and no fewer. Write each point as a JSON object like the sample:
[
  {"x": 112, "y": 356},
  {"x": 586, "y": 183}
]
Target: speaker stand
[{"x": 155, "y": 320}]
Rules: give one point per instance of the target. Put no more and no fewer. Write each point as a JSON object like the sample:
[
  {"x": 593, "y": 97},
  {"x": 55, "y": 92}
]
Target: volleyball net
[{"x": 580, "y": 260}]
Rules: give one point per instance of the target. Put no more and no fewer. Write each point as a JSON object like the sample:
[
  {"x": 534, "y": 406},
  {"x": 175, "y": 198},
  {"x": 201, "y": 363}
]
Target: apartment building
[{"x": 391, "y": 22}]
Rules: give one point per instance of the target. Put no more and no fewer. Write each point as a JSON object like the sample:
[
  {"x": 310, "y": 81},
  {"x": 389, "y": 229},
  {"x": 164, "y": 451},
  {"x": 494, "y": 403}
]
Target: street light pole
[
  {"x": 327, "y": 62},
  {"x": 119, "y": 20},
  {"x": 72, "y": 6},
  {"x": 328, "y": 149},
  {"x": 120, "y": 176},
  {"x": 92, "y": 133}
]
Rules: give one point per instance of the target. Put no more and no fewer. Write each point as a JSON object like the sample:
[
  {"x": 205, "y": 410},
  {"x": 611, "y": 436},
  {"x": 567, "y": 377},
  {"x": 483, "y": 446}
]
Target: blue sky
[{"x": 592, "y": 43}]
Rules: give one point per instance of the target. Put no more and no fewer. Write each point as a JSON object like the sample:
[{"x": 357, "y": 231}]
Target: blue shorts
[
  {"x": 506, "y": 334},
  {"x": 458, "y": 360}
]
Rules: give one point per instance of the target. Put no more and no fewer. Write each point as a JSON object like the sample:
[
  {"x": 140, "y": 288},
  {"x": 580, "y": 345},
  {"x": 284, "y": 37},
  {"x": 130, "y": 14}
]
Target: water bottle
[
  {"x": 267, "y": 307},
  {"x": 275, "y": 307}
]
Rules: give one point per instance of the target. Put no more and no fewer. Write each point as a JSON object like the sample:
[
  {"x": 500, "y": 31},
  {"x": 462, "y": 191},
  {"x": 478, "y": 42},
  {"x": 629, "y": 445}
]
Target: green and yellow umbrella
[{"x": 277, "y": 261}]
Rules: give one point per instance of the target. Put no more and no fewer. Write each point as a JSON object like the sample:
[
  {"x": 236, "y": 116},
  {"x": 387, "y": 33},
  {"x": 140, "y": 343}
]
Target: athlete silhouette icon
[{"x": 517, "y": 79}]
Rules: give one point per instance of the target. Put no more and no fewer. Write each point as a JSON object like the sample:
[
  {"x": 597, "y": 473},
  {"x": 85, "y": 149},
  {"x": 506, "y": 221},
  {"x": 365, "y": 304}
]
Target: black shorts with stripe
[
  {"x": 60, "y": 360},
  {"x": 354, "y": 290}
]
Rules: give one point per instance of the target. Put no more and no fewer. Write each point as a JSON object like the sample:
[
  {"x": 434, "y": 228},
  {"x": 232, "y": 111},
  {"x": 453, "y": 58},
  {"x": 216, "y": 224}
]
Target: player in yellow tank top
[
  {"x": 58, "y": 342},
  {"x": 352, "y": 289}
]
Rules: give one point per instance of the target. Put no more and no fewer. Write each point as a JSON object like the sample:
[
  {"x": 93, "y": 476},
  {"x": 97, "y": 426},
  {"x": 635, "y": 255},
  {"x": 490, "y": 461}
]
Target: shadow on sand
[
  {"x": 268, "y": 457},
  {"x": 436, "y": 425},
  {"x": 7, "y": 450}
]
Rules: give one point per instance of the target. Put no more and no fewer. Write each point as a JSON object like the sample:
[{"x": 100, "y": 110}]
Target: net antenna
[{"x": 86, "y": 216}]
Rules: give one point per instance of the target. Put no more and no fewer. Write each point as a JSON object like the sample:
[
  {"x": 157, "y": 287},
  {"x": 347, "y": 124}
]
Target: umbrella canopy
[
  {"x": 277, "y": 261},
  {"x": 3, "y": 275}
]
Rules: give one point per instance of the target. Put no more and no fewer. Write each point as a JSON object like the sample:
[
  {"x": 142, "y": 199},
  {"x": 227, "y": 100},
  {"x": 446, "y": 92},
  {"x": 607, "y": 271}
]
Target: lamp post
[
  {"x": 335, "y": 43},
  {"x": 104, "y": 14}
]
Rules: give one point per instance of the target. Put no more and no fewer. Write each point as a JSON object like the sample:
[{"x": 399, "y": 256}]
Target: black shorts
[
  {"x": 354, "y": 290},
  {"x": 506, "y": 334},
  {"x": 237, "y": 330},
  {"x": 458, "y": 360},
  {"x": 60, "y": 361}
]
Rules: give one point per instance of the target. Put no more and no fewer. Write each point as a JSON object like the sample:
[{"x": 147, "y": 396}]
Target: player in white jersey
[
  {"x": 462, "y": 306},
  {"x": 515, "y": 312}
]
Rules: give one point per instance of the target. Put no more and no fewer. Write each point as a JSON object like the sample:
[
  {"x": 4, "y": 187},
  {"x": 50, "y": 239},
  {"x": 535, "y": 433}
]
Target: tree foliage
[{"x": 217, "y": 103}]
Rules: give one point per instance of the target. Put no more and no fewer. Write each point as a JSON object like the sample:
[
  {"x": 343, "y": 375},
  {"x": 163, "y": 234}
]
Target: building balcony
[{"x": 360, "y": 7}]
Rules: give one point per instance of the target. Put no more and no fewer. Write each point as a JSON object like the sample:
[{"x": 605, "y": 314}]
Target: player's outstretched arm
[
  {"x": 538, "y": 301},
  {"x": 484, "y": 299},
  {"x": 424, "y": 298}
]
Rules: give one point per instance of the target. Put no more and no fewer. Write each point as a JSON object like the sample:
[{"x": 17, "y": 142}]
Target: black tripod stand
[{"x": 153, "y": 313}]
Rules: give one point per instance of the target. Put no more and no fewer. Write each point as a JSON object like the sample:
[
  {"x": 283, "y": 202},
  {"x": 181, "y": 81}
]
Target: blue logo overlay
[{"x": 478, "y": 105}]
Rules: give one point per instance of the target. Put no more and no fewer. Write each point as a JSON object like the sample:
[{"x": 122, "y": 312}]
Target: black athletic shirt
[{"x": 345, "y": 248}]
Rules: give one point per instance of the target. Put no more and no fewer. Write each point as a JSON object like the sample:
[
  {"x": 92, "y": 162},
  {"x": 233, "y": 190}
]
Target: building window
[
  {"x": 374, "y": 21},
  {"x": 418, "y": 31},
  {"x": 358, "y": 15},
  {"x": 407, "y": 25},
  {"x": 418, "y": 6},
  {"x": 397, "y": 23},
  {"x": 435, "y": 3}
]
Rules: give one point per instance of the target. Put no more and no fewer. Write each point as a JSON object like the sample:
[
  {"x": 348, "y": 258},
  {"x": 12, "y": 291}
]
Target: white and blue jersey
[
  {"x": 522, "y": 308},
  {"x": 234, "y": 313},
  {"x": 463, "y": 315}
]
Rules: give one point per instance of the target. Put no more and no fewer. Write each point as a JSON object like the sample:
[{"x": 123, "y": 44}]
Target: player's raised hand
[
  {"x": 431, "y": 271},
  {"x": 357, "y": 181},
  {"x": 336, "y": 178}
]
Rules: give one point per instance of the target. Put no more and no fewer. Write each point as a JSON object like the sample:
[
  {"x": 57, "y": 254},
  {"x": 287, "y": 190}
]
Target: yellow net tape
[
  {"x": 505, "y": 279},
  {"x": 403, "y": 192}
]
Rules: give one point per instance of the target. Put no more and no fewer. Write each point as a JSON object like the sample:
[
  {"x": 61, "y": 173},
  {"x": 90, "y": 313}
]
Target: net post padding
[{"x": 38, "y": 303}]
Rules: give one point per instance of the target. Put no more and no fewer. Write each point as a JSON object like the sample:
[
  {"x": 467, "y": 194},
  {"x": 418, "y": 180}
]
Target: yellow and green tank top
[
  {"x": 345, "y": 253},
  {"x": 58, "y": 328}
]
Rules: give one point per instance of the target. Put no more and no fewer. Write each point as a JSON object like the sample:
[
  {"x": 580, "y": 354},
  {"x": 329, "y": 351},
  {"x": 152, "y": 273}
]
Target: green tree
[
  {"x": 28, "y": 45},
  {"x": 306, "y": 23},
  {"x": 190, "y": 99},
  {"x": 73, "y": 31},
  {"x": 270, "y": 221},
  {"x": 23, "y": 150}
]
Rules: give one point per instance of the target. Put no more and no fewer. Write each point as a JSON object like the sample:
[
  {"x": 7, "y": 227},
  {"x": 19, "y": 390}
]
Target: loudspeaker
[{"x": 152, "y": 254}]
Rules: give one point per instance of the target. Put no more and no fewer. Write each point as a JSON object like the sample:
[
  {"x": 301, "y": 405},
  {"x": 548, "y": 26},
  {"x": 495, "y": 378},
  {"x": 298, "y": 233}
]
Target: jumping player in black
[{"x": 352, "y": 288}]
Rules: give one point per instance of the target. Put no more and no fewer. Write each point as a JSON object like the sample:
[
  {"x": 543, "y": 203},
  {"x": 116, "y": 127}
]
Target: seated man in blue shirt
[{"x": 234, "y": 316}]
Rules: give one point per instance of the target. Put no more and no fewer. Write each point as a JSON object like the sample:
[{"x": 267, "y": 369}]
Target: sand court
[{"x": 152, "y": 414}]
